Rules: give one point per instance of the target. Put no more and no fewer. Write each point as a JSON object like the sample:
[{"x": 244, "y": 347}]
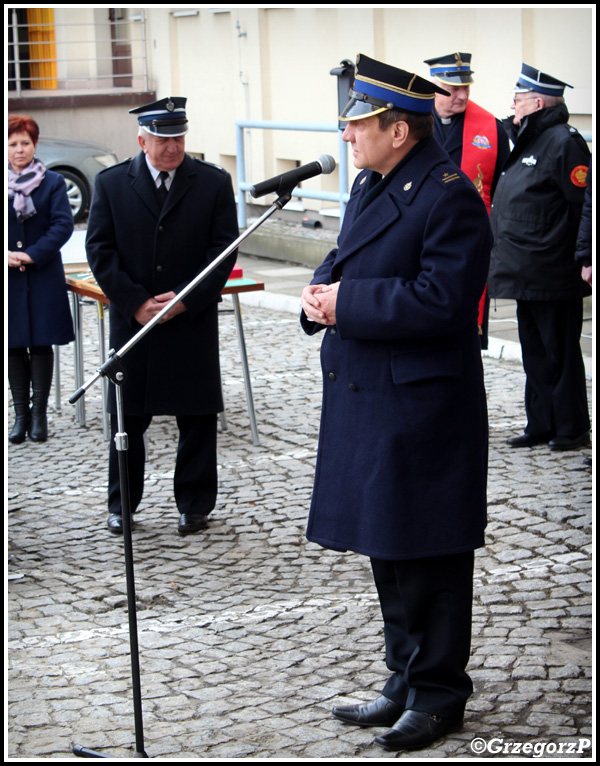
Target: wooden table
[{"x": 83, "y": 285}]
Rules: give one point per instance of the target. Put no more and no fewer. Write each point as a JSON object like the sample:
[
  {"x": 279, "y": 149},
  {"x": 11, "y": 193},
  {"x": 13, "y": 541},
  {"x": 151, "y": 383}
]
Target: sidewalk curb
[{"x": 498, "y": 349}]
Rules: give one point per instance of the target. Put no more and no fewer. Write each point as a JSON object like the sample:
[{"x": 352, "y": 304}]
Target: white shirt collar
[{"x": 156, "y": 173}]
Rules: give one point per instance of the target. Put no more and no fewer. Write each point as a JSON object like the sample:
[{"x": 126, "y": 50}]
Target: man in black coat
[
  {"x": 535, "y": 219},
  {"x": 156, "y": 221},
  {"x": 402, "y": 460}
]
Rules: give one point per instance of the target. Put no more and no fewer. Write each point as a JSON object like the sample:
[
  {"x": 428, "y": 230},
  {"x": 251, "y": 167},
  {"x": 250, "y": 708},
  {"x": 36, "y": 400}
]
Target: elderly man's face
[
  {"x": 524, "y": 104},
  {"x": 164, "y": 152},
  {"x": 455, "y": 103}
]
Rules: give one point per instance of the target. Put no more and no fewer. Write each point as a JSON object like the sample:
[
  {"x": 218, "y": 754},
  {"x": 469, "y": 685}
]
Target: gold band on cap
[{"x": 396, "y": 89}]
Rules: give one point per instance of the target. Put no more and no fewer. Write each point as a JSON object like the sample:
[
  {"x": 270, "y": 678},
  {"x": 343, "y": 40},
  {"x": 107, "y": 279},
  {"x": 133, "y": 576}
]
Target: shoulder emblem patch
[{"x": 578, "y": 175}]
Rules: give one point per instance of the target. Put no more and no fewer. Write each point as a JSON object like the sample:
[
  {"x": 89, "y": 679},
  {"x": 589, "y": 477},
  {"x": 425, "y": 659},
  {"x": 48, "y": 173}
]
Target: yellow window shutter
[{"x": 42, "y": 48}]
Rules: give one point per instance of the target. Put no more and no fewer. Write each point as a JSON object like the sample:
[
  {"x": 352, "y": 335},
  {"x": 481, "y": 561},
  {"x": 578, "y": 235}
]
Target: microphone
[{"x": 284, "y": 183}]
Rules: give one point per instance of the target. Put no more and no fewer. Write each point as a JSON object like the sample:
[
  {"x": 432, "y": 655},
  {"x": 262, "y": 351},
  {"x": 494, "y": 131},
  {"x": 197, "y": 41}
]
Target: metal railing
[
  {"x": 341, "y": 197},
  {"x": 45, "y": 56}
]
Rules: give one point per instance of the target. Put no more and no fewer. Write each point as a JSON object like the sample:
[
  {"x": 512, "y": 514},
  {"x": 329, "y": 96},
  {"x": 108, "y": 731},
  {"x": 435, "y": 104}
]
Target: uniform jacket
[
  {"x": 137, "y": 251},
  {"x": 402, "y": 459},
  {"x": 536, "y": 212},
  {"x": 38, "y": 305}
]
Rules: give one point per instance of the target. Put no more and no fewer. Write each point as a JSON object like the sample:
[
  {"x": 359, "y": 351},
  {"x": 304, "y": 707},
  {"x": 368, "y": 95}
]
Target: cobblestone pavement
[{"x": 248, "y": 633}]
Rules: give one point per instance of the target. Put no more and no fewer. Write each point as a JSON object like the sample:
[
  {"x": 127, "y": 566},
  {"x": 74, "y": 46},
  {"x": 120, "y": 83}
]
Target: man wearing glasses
[{"x": 535, "y": 218}]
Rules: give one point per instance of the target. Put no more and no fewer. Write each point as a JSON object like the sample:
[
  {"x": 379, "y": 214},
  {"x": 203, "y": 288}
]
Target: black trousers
[
  {"x": 427, "y": 613},
  {"x": 195, "y": 481},
  {"x": 555, "y": 390}
]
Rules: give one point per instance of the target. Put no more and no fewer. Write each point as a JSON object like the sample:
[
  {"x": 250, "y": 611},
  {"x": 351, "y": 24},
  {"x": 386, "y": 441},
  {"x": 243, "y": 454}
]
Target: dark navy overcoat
[
  {"x": 38, "y": 303},
  {"x": 402, "y": 459},
  {"x": 137, "y": 251}
]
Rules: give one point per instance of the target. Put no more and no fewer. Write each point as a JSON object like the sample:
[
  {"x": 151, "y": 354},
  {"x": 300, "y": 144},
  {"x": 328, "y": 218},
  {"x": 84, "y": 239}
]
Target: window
[{"x": 76, "y": 49}]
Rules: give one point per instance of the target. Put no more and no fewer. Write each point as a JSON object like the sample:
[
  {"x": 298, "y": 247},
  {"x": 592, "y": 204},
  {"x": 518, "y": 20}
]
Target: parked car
[{"x": 78, "y": 162}]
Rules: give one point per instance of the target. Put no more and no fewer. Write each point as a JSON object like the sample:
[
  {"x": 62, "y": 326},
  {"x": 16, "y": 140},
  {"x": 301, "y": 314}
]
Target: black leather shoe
[
  {"x": 115, "y": 523},
  {"x": 379, "y": 712},
  {"x": 566, "y": 442},
  {"x": 191, "y": 522},
  {"x": 414, "y": 730},
  {"x": 528, "y": 440}
]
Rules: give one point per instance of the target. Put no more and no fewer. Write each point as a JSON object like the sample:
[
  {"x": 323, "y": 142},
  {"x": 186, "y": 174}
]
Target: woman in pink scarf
[{"x": 39, "y": 223}]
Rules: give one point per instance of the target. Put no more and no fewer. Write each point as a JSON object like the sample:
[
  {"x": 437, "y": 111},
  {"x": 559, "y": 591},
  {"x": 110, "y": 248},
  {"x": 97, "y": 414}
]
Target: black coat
[
  {"x": 402, "y": 460},
  {"x": 137, "y": 251},
  {"x": 38, "y": 304},
  {"x": 536, "y": 212}
]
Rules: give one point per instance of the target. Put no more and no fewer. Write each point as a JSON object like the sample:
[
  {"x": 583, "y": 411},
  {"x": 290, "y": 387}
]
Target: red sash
[{"x": 479, "y": 155}]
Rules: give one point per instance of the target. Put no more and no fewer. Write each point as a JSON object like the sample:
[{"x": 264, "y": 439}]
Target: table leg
[
  {"x": 104, "y": 381},
  {"x": 246, "y": 370},
  {"x": 78, "y": 359}
]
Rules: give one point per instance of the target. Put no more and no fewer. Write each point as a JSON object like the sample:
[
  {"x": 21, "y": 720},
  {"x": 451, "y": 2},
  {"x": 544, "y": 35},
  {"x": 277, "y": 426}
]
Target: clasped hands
[
  {"x": 319, "y": 302},
  {"x": 16, "y": 260},
  {"x": 150, "y": 308}
]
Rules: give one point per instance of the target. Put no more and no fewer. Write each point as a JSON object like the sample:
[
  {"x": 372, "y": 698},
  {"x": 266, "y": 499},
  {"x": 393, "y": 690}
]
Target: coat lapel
[
  {"x": 452, "y": 140},
  {"x": 365, "y": 227},
  {"x": 143, "y": 184},
  {"x": 181, "y": 183},
  {"x": 388, "y": 207}
]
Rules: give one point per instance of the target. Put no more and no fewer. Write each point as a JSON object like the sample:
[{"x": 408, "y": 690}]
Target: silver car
[{"x": 78, "y": 162}]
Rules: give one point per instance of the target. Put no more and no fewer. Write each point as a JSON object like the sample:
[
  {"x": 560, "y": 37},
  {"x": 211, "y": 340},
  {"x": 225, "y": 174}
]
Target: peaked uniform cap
[
  {"x": 166, "y": 117},
  {"x": 532, "y": 79},
  {"x": 378, "y": 86},
  {"x": 453, "y": 69}
]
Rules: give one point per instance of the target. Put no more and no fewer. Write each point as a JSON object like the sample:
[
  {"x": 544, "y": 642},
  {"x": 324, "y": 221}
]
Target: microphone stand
[{"x": 113, "y": 369}]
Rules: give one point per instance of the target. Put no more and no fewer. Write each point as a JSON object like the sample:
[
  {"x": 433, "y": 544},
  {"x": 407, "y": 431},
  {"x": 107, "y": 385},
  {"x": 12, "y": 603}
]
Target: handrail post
[
  {"x": 242, "y": 185},
  {"x": 240, "y": 164}
]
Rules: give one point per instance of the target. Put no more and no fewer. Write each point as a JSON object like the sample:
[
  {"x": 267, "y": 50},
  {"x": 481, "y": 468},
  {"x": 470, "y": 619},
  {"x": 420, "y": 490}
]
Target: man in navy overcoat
[
  {"x": 402, "y": 462},
  {"x": 156, "y": 221}
]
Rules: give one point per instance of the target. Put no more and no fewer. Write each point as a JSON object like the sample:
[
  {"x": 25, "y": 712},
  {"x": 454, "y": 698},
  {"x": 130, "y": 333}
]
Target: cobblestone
[{"x": 248, "y": 633}]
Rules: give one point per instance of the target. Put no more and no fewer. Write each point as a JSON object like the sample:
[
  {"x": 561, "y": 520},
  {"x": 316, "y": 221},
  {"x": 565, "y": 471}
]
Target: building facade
[{"x": 78, "y": 70}]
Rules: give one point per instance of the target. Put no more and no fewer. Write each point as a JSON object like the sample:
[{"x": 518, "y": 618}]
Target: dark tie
[{"x": 162, "y": 188}]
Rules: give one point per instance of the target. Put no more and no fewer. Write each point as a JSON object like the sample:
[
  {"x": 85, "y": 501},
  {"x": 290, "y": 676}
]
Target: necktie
[{"x": 162, "y": 188}]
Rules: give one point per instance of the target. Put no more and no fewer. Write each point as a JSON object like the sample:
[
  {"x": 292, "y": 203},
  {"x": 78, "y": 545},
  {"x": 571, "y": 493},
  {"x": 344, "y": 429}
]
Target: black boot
[
  {"x": 18, "y": 377},
  {"x": 41, "y": 380}
]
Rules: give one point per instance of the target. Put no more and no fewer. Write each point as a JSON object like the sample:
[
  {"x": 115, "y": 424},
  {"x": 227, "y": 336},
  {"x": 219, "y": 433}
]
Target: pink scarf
[{"x": 20, "y": 186}]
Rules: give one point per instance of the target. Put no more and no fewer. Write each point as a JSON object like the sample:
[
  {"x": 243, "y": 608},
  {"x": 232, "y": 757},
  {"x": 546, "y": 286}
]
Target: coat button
[
  {"x": 353, "y": 387},
  {"x": 332, "y": 376},
  {"x": 19, "y": 244},
  {"x": 159, "y": 268}
]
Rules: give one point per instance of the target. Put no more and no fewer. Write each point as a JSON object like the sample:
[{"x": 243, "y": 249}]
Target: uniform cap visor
[
  {"x": 358, "y": 110},
  {"x": 449, "y": 78},
  {"x": 166, "y": 127}
]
